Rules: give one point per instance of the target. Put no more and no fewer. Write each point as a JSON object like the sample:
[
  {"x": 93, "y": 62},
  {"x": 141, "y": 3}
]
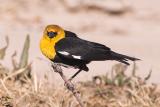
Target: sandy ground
[{"x": 136, "y": 33}]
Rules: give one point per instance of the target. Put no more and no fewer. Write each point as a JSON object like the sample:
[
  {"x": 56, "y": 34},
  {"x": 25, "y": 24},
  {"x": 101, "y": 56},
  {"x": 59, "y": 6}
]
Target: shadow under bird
[{"x": 67, "y": 49}]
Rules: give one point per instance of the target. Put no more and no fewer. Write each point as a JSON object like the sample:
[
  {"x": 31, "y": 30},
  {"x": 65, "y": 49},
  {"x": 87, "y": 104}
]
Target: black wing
[{"x": 76, "y": 48}]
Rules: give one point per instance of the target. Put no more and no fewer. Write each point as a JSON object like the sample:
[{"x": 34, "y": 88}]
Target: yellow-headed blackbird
[{"x": 65, "y": 47}]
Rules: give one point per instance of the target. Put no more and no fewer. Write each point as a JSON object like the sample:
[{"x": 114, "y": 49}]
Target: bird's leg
[{"x": 71, "y": 78}]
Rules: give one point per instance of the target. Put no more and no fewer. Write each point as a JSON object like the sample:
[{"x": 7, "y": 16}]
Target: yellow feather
[{"x": 47, "y": 45}]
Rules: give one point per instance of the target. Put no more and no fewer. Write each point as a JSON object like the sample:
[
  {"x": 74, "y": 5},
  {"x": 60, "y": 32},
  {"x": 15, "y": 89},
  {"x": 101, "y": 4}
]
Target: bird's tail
[{"x": 122, "y": 58}]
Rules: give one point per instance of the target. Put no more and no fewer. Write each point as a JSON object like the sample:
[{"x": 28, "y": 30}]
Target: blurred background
[{"x": 130, "y": 27}]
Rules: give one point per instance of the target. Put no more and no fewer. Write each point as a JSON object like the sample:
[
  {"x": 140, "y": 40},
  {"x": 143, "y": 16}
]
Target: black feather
[
  {"x": 86, "y": 50},
  {"x": 122, "y": 58},
  {"x": 70, "y": 34}
]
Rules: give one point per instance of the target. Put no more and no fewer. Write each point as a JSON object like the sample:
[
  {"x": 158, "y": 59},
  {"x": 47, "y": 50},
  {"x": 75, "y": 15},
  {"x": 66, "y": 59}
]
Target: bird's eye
[{"x": 51, "y": 34}]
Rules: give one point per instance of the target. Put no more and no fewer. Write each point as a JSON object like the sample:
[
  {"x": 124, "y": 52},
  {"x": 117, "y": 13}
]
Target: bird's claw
[{"x": 69, "y": 85}]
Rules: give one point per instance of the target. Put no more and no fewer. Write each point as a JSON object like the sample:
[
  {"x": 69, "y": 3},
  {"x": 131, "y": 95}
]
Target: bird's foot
[
  {"x": 57, "y": 68},
  {"x": 69, "y": 85}
]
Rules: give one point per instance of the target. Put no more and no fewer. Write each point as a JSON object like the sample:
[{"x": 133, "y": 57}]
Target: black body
[{"x": 86, "y": 51}]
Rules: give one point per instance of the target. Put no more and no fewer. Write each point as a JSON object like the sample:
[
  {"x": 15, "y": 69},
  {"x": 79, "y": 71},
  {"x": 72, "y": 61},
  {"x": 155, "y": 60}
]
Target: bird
[{"x": 67, "y": 49}]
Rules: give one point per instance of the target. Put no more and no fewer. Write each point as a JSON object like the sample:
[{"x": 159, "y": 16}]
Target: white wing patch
[
  {"x": 63, "y": 52},
  {"x": 67, "y": 54},
  {"x": 76, "y": 57}
]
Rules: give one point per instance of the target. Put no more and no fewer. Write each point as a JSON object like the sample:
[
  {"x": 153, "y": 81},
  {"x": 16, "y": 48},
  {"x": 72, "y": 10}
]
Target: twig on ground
[
  {"x": 68, "y": 84},
  {"x": 17, "y": 72},
  {"x": 6, "y": 89}
]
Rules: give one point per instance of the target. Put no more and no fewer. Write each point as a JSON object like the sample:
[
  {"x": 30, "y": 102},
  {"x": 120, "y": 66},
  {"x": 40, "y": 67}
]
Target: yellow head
[{"x": 51, "y": 35}]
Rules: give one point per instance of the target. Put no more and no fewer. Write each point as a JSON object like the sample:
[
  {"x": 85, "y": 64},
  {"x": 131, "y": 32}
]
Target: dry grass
[{"x": 118, "y": 90}]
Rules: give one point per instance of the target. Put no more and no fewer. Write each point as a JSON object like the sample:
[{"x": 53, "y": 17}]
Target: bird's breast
[{"x": 47, "y": 49}]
